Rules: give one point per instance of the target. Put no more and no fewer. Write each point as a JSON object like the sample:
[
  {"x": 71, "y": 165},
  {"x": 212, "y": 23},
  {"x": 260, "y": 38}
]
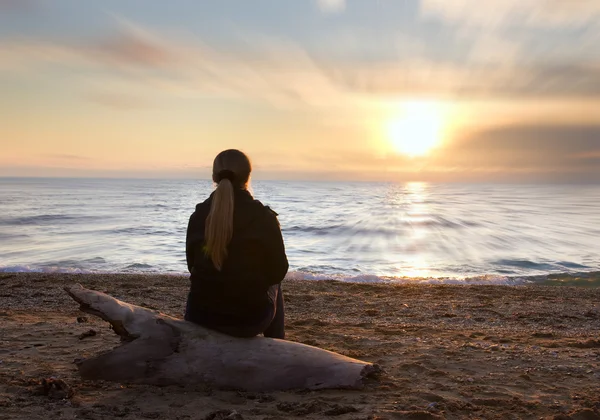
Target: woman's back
[
  {"x": 236, "y": 256},
  {"x": 255, "y": 259}
]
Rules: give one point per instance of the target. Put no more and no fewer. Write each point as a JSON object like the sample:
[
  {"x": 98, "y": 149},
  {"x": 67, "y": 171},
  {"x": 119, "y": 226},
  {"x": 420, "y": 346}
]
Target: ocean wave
[
  {"x": 6, "y": 236},
  {"x": 369, "y": 278},
  {"x": 576, "y": 279},
  {"x": 139, "y": 230},
  {"x": 139, "y": 266},
  {"x": 524, "y": 264},
  {"x": 541, "y": 266},
  {"x": 344, "y": 229},
  {"x": 45, "y": 269},
  {"x": 126, "y": 231},
  {"x": 573, "y": 265},
  {"x": 587, "y": 279},
  {"x": 95, "y": 260},
  {"x": 42, "y": 219}
]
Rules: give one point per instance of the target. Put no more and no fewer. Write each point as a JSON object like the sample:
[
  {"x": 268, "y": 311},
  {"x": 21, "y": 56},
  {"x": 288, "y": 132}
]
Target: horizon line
[{"x": 484, "y": 181}]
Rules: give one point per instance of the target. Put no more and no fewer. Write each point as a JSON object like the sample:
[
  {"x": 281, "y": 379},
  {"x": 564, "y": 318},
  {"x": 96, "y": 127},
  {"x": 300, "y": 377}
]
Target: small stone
[
  {"x": 56, "y": 388},
  {"x": 542, "y": 334},
  {"x": 89, "y": 333},
  {"x": 584, "y": 414},
  {"x": 338, "y": 410},
  {"x": 224, "y": 415}
]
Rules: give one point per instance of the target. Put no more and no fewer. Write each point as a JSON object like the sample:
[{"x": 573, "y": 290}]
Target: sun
[{"x": 417, "y": 129}]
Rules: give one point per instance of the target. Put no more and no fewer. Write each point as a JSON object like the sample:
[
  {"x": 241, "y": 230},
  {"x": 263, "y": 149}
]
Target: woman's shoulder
[
  {"x": 269, "y": 216},
  {"x": 248, "y": 208},
  {"x": 261, "y": 212},
  {"x": 264, "y": 208},
  {"x": 202, "y": 209},
  {"x": 271, "y": 211}
]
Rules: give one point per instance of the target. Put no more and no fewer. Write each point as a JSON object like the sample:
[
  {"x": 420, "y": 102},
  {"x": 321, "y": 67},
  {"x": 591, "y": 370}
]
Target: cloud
[
  {"x": 542, "y": 148},
  {"x": 531, "y": 13},
  {"x": 518, "y": 32},
  {"x": 586, "y": 156},
  {"x": 129, "y": 46},
  {"x": 418, "y": 78},
  {"x": 492, "y": 49},
  {"x": 134, "y": 61},
  {"x": 69, "y": 171},
  {"x": 542, "y": 152},
  {"x": 331, "y": 6},
  {"x": 117, "y": 100},
  {"x": 18, "y": 5},
  {"x": 133, "y": 45},
  {"x": 518, "y": 153},
  {"x": 62, "y": 156}
]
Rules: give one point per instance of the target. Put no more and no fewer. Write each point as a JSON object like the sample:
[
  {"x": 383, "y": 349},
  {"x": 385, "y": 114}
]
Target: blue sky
[
  {"x": 143, "y": 86},
  {"x": 355, "y": 30}
]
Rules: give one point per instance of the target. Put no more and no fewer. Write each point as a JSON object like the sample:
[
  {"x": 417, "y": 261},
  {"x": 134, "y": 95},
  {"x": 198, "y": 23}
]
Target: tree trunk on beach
[{"x": 160, "y": 349}]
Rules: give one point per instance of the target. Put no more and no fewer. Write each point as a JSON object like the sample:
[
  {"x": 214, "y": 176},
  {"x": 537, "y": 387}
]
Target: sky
[{"x": 371, "y": 90}]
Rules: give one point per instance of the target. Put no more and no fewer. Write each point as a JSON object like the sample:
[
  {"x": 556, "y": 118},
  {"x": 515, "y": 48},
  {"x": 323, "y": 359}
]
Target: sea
[{"x": 347, "y": 231}]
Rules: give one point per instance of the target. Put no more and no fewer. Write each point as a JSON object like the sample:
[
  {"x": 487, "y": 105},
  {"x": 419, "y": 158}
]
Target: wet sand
[{"x": 456, "y": 352}]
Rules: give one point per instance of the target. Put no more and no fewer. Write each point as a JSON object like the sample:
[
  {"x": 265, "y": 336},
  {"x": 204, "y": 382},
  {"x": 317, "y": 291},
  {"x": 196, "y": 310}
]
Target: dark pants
[{"x": 271, "y": 322}]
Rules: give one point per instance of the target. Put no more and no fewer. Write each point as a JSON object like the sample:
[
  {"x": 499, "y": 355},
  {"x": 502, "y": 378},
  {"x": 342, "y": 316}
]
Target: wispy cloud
[
  {"x": 66, "y": 157},
  {"x": 429, "y": 78},
  {"x": 526, "y": 33},
  {"x": 530, "y": 13},
  {"x": 135, "y": 61},
  {"x": 589, "y": 155},
  {"x": 118, "y": 100},
  {"x": 544, "y": 146},
  {"x": 134, "y": 45},
  {"x": 331, "y": 6},
  {"x": 17, "y": 5}
]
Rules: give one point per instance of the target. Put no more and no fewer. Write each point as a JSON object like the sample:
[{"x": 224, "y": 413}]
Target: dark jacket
[{"x": 255, "y": 260}]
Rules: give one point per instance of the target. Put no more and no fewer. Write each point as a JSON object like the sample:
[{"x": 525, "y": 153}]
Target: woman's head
[
  {"x": 231, "y": 169},
  {"x": 233, "y": 165}
]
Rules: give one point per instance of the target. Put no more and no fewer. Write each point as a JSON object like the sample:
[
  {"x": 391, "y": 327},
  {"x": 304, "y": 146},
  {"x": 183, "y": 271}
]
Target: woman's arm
[
  {"x": 191, "y": 238},
  {"x": 276, "y": 261}
]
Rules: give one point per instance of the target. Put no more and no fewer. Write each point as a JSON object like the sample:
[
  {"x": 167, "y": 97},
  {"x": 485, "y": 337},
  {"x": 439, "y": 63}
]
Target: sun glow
[{"x": 417, "y": 129}]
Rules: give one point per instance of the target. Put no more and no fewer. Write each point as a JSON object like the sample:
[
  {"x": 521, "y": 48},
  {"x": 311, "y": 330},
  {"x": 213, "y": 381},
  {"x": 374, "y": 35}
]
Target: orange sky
[{"x": 125, "y": 90}]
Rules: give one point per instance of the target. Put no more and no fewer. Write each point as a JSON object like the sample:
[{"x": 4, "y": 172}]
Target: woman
[{"x": 236, "y": 257}]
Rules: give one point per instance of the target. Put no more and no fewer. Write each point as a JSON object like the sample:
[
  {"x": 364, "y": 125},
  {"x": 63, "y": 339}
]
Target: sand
[{"x": 478, "y": 352}]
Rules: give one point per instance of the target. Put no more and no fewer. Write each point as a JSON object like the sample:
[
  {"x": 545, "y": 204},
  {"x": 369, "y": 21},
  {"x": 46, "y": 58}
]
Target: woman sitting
[{"x": 236, "y": 257}]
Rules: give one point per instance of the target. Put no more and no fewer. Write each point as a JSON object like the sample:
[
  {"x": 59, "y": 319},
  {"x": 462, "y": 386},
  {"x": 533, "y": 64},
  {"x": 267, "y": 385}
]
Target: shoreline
[
  {"x": 447, "y": 351},
  {"x": 590, "y": 278}
]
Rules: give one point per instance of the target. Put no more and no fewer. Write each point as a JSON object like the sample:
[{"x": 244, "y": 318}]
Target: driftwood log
[{"x": 159, "y": 349}]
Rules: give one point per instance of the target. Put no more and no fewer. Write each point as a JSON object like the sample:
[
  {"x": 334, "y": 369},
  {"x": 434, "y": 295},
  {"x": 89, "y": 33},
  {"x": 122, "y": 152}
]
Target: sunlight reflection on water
[{"x": 348, "y": 229}]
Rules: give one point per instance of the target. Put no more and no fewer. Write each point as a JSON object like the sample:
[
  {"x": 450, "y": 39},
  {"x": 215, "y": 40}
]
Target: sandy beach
[{"x": 477, "y": 352}]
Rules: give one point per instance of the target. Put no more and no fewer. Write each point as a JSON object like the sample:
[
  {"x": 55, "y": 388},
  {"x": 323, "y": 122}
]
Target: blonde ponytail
[
  {"x": 231, "y": 170},
  {"x": 219, "y": 223}
]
